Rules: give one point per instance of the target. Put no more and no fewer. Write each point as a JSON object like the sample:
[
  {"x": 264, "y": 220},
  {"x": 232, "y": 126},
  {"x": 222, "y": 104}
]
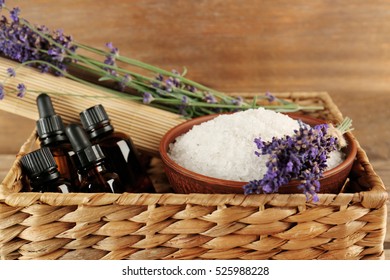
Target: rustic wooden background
[{"x": 340, "y": 47}]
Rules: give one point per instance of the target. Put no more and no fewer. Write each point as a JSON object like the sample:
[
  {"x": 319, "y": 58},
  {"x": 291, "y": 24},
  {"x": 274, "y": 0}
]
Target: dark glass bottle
[
  {"x": 51, "y": 133},
  {"x": 90, "y": 164},
  {"x": 122, "y": 156},
  {"x": 41, "y": 169}
]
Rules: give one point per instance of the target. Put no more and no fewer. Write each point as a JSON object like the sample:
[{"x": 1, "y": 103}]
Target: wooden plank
[
  {"x": 248, "y": 46},
  {"x": 6, "y": 161},
  {"x": 253, "y": 46}
]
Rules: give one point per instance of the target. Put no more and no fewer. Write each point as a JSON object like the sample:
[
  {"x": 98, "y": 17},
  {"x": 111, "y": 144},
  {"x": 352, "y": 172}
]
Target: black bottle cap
[
  {"x": 45, "y": 107},
  {"x": 50, "y": 127},
  {"x": 38, "y": 162},
  {"x": 87, "y": 153},
  {"x": 95, "y": 120}
]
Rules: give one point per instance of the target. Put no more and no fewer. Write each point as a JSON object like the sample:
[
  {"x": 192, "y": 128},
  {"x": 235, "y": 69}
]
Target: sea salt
[{"x": 224, "y": 146}]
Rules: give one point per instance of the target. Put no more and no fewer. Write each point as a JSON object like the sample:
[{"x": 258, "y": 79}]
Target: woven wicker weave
[{"x": 349, "y": 225}]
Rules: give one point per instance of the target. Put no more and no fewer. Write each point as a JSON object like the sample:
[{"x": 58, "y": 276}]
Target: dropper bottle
[
  {"x": 40, "y": 167},
  {"x": 94, "y": 176},
  {"x": 51, "y": 133},
  {"x": 121, "y": 154}
]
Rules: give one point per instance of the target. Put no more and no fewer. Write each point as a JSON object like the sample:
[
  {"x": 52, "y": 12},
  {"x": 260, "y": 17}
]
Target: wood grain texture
[{"x": 243, "y": 46}]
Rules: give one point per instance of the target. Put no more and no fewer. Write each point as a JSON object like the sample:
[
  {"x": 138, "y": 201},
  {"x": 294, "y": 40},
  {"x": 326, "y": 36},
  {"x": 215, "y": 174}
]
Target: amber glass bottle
[
  {"x": 41, "y": 169},
  {"x": 51, "y": 133},
  {"x": 90, "y": 164},
  {"x": 122, "y": 156}
]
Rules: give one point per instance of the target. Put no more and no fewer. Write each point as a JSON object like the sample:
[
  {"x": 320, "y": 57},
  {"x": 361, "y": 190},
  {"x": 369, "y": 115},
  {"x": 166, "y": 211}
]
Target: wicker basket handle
[
  {"x": 377, "y": 196},
  {"x": 8, "y": 185}
]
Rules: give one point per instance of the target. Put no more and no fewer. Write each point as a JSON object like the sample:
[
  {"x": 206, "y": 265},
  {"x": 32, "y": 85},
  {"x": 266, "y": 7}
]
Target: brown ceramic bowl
[{"x": 185, "y": 181}]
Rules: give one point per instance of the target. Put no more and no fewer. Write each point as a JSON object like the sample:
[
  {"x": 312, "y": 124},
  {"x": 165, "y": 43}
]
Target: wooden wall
[{"x": 342, "y": 47}]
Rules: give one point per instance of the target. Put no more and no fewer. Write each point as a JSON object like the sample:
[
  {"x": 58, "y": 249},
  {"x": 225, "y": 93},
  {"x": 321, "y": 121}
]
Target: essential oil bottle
[
  {"x": 41, "y": 169},
  {"x": 122, "y": 156},
  {"x": 51, "y": 133},
  {"x": 94, "y": 176}
]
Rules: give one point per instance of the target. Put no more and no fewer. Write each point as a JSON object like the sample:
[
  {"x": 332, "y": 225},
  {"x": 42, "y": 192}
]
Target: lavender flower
[
  {"x": 184, "y": 105},
  {"x": 123, "y": 83},
  {"x": 210, "y": 98},
  {"x": 270, "y": 97},
  {"x": 110, "y": 61},
  {"x": 44, "y": 68},
  {"x": 238, "y": 101},
  {"x": 185, "y": 100},
  {"x": 302, "y": 156},
  {"x": 191, "y": 88},
  {"x": 56, "y": 54},
  {"x": 18, "y": 41},
  {"x": 14, "y": 14},
  {"x": 169, "y": 84},
  {"x": 53, "y": 52},
  {"x": 158, "y": 79},
  {"x": 1, "y": 92},
  {"x": 21, "y": 90},
  {"x": 11, "y": 72},
  {"x": 147, "y": 98},
  {"x": 175, "y": 81},
  {"x": 113, "y": 50}
]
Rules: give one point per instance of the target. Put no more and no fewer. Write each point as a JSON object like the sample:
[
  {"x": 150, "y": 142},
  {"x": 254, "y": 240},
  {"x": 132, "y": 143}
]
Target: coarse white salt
[{"x": 224, "y": 146}]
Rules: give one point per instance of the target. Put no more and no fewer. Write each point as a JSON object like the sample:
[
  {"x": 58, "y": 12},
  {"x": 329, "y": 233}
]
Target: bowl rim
[{"x": 167, "y": 140}]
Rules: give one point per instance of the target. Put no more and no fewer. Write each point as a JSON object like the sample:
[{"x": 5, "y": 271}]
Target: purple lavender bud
[
  {"x": 270, "y": 97},
  {"x": 184, "y": 105},
  {"x": 11, "y": 72},
  {"x": 259, "y": 143},
  {"x": 160, "y": 77},
  {"x": 21, "y": 90},
  {"x": 176, "y": 82},
  {"x": 238, "y": 101},
  {"x": 112, "y": 49},
  {"x": 289, "y": 167},
  {"x": 147, "y": 98},
  {"x": 185, "y": 100},
  {"x": 44, "y": 68},
  {"x": 110, "y": 60},
  {"x": 169, "y": 84},
  {"x": 123, "y": 83},
  {"x": 209, "y": 98},
  {"x": 2, "y": 94},
  {"x": 191, "y": 88},
  {"x": 14, "y": 14},
  {"x": 268, "y": 189}
]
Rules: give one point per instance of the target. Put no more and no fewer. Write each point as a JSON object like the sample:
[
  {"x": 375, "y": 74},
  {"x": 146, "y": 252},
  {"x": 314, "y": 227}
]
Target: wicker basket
[{"x": 349, "y": 225}]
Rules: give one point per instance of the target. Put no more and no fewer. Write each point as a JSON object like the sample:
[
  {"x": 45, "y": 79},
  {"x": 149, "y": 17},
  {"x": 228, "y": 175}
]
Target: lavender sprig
[
  {"x": 302, "y": 156},
  {"x": 21, "y": 43},
  {"x": 57, "y": 53}
]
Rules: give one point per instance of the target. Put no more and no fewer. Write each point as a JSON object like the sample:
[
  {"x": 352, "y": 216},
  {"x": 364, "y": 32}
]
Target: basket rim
[{"x": 369, "y": 199}]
